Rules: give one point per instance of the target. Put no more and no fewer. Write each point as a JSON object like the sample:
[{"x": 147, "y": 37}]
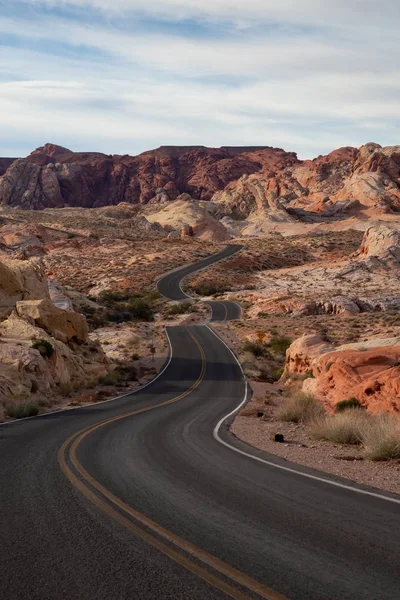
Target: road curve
[
  {"x": 170, "y": 286},
  {"x": 137, "y": 498}
]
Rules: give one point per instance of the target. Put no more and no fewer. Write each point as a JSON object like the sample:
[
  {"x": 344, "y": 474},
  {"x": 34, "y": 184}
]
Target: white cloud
[
  {"x": 307, "y": 12},
  {"x": 307, "y": 91}
]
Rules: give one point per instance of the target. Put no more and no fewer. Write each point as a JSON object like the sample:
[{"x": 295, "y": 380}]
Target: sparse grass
[
  {"x": 256, "y": 348},
  {"x": 44, "y": 347},
  {"x": 179, "y": 309},
  {"x": 279, "y": 343},
  {"x": 65, "y": 388},
  {"x": 343, "y": 428},
  {"x": 301, "y": 408},
  {"x": 208, "y": 288},
  {"x": 347, "y": 405},
  {"x": 381, "y": 437},
  {"x": 20, "y": 411},
  {"x": 121, "y": 375}
]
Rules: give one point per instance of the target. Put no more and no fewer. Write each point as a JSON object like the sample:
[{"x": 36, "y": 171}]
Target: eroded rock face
[
  {"x": 69, "y": 359},
  {"x": 242, "y": 181},
  {"x": 23, "y": 371},
  {"x": 302, "y": 352},
  {"x": 63, "y": 325},
  {"x": 53, "y": 176},
  {"x": 20, "y": 280},
  {"x": 368, "y": 371},
  {"x": 383, "y": 242},
  {"x": 5, "y": 163},
  {"x": 371, "y": 375}
]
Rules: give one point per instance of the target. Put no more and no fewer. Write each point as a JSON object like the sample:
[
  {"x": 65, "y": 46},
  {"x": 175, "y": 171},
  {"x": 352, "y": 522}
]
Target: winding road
[{"x": 151, "y": 497}]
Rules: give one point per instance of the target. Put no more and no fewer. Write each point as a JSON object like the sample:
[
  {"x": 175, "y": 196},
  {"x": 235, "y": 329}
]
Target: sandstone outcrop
[
  {"x": 24, "y": 371},
  {"x": 61, "y": 324},
  {"x": 383, "y": 243},
  {"x": 20, "y": 280},
  {"x": 53, "y": 176},
  {"x": 44, "y": 350},
  {"x": 302, "y": 352},
  {"x": 242, "y": 181},
  {"x": 368, "y": 371},
  {"x": 187, "y": 218},
  {"x": 5, "y": 163}
]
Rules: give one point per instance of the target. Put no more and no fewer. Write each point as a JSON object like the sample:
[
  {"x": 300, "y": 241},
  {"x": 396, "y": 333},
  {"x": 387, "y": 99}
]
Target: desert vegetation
[{"x": 378, "y": 435}]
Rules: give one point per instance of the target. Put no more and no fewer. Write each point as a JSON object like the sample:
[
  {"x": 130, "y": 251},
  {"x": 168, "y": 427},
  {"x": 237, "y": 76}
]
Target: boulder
[
  {"x": 383, "y": 242},
  {"x": 371, "y": 375},
  {"x": 62, "y": 324},
  {"x": 302, "y": 352},
  {"x": 20, "y": 280},
  {"x": 23, "y": 371}
]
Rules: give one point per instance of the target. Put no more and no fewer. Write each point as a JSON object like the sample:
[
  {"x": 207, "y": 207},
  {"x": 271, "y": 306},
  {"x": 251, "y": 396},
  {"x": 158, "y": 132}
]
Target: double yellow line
[{"x": 178, "y": 549}]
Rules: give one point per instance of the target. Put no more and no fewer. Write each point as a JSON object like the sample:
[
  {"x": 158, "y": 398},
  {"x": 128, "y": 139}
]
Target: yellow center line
[
  {"x": 70, "y": 447},
  {"x": 226, "y": 312}
]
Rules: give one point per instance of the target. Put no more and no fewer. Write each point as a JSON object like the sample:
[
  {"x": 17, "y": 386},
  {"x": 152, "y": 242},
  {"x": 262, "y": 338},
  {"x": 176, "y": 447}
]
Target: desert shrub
[
  {"x": 126, "y": 372},
  {"x": 180, "y": 309},
  {"x": 112, "y": 378},
  {"x": 71, "y": 236},
  {"x": 44, "y": 347},
  {"x": 208, "y": 288},
  {"x": 20, "y": 411},
  {"x": 94, "y": 236},
  {"x": 343, "y": 428},
  {"x": 277, "y": 373},
  {"x": 381, "y": 437},
  {"x": 347, "y": 404},
  {"x": 152, "y": 296},
  {"x": 109, "y": 298},
  {"x": 140, "y": 309},
  {"x": 65, "y": 388},
  {"x": 255, "y": 348},
  {"x": 301, "y": 408},
  {"x": 279, "y": 343},
  {"x": 120, "y": 374}
]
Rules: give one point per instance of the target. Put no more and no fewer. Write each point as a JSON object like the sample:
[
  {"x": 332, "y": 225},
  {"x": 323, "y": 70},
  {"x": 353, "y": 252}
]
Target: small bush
[
  {"x": 343, "y": 428},
  {"x": 277, "y": 373},
  {"x": 71, "y": 236},
  {"x": 179, "y": 309},
  {"x": 347, "y": 404},
  {"x": 20, "y": 411},
  {"x": 44, "y": 347},
  {"x": 279, "y": 343},
  {"x": 94, "y": 236},
  {"x": 301, "y": 408},
  {"x": 255, "y": 348},
  {"x": 381, "y": 437},
  {"x": 65, "y": 388},
  {"x": 208, "y": 288},
  {"x": 109, "y": 298},
  {"x": 140, "y": 309}
]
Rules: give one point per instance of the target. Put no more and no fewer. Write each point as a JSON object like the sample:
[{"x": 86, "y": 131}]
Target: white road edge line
[
  {"x": 61, "y": 410},
  {"x": 217, "y": 437}
]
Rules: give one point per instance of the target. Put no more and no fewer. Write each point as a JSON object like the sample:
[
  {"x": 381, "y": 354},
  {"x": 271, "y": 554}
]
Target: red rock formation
[
  {"x": 372, "y": 376},
  {"x": 53, "y": 176},
  {"x": 5, "y": 163},
  {"x": 243, "y": 181}
]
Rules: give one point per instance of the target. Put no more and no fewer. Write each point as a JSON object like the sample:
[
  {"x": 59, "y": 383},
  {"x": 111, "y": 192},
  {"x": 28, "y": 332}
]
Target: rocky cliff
[
  {"x": 242, "y": 181},
  {"x": 45, "y": 351},
  {"x": 5, "y": 163},
  {"x": 53, "y": 176}
]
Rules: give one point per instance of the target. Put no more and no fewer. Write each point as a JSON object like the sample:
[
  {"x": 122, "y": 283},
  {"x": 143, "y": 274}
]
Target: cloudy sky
[{"x": 123, "y": 76}]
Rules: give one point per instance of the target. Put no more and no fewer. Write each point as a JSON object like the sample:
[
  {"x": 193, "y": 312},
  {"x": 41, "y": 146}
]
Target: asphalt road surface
[{"x": 150, "y": 497}]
